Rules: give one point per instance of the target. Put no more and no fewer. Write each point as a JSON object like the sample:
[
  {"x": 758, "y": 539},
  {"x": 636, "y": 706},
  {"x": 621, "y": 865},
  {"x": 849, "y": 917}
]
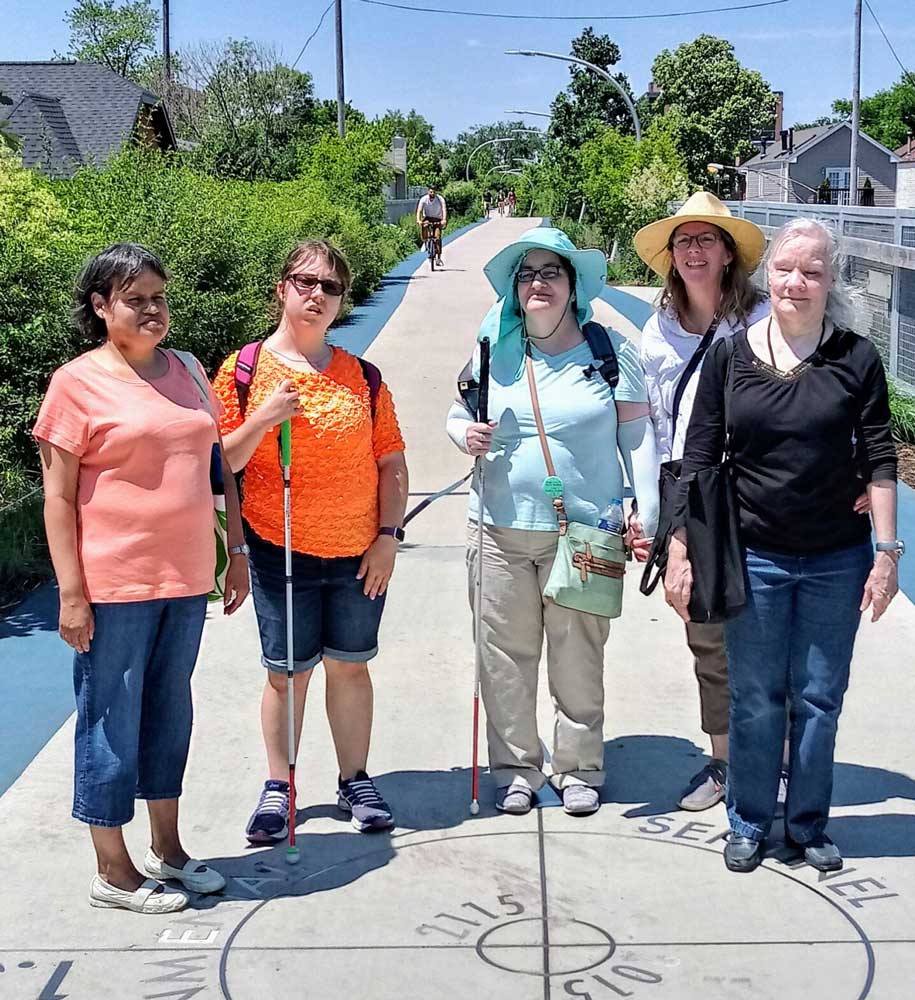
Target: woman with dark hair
[
  {"x": 705, "y": 256},
  {"x": 808, "y": 417},
  {"x": 349, "y": 494},
  {"x": 126, "y": 440}
]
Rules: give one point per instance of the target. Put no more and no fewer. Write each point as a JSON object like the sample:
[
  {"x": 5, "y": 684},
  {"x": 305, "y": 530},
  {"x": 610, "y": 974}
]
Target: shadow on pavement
[{"x": 37, "y": 613}]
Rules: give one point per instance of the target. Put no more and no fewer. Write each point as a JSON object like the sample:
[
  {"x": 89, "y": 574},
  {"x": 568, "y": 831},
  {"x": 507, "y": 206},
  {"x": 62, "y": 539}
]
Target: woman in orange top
[{"x": 349, "y": 494}]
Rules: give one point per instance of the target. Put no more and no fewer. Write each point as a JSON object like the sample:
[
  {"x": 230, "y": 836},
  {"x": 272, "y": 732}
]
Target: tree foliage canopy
[{"x": 121, "y": 36}]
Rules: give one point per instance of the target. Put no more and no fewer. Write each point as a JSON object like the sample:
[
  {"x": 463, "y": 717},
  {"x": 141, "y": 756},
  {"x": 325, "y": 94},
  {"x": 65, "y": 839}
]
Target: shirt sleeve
[
  {"x": 631, "y": 387},
  {"x": 230, "y": 416},
  {"x": 659, "y": 416},
  {"x": 63, "y": 419},
  {"x": 386, "y": 436},
  {"x": 878, "y": 451}
]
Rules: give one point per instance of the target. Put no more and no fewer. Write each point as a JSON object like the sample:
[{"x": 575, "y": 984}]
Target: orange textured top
[{"x": 335, "y": 450}]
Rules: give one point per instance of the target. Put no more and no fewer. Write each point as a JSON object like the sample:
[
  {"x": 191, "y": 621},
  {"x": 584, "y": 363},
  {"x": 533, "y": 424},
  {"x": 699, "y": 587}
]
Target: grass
[{"x": 902, "y": 409}]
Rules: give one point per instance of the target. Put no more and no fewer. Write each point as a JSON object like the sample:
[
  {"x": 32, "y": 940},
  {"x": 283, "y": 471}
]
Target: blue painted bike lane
[{"x": 36, "y": 672}]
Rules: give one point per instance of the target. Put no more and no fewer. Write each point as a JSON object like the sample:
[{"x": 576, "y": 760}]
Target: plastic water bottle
[{"x": 612, "y": 518}]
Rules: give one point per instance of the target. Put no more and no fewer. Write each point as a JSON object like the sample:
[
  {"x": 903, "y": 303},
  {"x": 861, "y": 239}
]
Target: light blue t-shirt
[{"x": 579, "y": 417}]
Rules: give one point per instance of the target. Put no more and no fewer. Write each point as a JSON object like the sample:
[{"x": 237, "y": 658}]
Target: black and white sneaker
[
  {"x": 269, "y": 822},
  {"x": 359, "y": 796}
]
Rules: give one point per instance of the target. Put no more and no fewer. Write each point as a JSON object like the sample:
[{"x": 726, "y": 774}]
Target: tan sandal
[{"x": 151, "y": 897}]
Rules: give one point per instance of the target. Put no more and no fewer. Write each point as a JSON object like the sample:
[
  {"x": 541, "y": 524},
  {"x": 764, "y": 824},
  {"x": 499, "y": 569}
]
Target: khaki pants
[
  {"x": 706, "y": 642},
  {"x": 515, "y": 617}
]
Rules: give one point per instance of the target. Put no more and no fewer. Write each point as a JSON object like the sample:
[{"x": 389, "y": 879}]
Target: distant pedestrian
[
  {"x": 127, "y": 441},
  {"x": 349, "y": 494},
  {"x": 808, "y": 416},
  {"x": 545, "y": 287},
  {"x": 512, "y": 201}
]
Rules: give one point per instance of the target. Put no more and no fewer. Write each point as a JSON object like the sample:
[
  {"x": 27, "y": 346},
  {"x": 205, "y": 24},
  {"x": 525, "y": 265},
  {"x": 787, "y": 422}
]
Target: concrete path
[{"x": 633, "y": 902}]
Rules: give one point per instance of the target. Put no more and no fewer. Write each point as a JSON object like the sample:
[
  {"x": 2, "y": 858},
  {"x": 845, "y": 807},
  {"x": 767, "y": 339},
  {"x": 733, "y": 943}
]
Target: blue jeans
[
  {"x": 133, "y": 706},
  {"x": 790, "y": 647}
]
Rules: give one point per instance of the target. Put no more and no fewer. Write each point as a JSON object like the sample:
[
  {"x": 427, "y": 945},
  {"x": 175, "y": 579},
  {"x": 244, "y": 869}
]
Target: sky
[{"x": 453, "y": 69}]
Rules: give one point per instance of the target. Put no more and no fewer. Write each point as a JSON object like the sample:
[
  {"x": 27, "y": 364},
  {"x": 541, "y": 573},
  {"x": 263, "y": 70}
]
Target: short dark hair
[{"x": 117, "y": 266}]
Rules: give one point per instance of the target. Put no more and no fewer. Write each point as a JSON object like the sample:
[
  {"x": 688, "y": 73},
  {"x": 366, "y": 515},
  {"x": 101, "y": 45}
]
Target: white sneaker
[
  {"x": 151, "y": 897},
  {"x": 195, "y": 875}
]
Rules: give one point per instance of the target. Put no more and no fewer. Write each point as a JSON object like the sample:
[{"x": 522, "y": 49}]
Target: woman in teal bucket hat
[{"x": 545, "y": 286}]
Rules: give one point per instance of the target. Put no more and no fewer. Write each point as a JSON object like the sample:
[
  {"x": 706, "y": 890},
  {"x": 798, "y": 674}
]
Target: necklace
[
  {"x": 801, "y": 360},
  {"x": 319, "y": 365}
]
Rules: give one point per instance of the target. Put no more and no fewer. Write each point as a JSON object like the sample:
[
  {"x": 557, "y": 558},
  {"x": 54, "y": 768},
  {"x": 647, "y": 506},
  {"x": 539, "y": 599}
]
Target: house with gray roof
[
  {"x": 795, "y": 166},
  {"x": 67, "y": 114}
]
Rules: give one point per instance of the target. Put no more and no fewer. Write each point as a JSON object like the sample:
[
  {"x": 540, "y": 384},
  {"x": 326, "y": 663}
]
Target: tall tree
[
  {"x": 424, "y": 154},
  {"x": 521, "y": 143},
  {"x": 887, "y": 116},
  {"x": 713, "y": 106},
  {"x": 121, "y": 36},
  {"x": 590, "y": 101}
]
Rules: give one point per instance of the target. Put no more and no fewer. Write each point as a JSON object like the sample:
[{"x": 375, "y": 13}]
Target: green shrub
[
  {"x": 461, "y": 197},
  {"x": 902, "y": 410}
]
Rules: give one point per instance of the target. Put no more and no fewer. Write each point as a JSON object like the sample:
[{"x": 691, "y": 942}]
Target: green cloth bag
[{"x": 587, "y": 573}]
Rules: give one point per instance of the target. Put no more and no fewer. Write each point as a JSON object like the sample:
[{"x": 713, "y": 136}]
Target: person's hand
[
  {"x": 636, "y": 541},
  {"x": 678, "y": 578},
  {"x": 77, "y": 623},
  {"x": 282, "y": 404},
  {"x": 377, "y": 565},
  {"x": 479, "y": 438},
  {"x": 237, "y": 584},
  {"x": 881, "y": 585},
  {"x": 863, "y": 504}
]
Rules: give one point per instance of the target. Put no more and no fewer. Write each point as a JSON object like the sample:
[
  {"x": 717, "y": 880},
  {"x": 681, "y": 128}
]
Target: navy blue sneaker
[
  {"x": 270, "y": 820},
  {"x": 360, "y": 797}
]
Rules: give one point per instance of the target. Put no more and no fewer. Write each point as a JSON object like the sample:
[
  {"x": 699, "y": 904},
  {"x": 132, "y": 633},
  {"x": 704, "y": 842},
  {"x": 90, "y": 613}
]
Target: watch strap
[{"x": 397, "y": 533}]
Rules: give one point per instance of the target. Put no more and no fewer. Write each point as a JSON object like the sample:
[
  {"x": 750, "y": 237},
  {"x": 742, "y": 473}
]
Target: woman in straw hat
[
  {"x": 808, "y": 420},
  {"x": 545, "y": 286},
  {"x": 705, "y": 256}
]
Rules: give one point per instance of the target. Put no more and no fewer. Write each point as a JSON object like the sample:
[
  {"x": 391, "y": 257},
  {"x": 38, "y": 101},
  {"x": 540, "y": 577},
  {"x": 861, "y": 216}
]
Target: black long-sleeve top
[{"x": 803, "y": 442}]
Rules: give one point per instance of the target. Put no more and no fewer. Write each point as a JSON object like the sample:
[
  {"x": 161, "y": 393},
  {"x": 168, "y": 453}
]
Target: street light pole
[
  {"x": 855, "y": 110},
  {"x": 341, "y": 95},
  {"x": 166, "y": 47},
  {"x": 492, "y": 142},
  {"x": 594, "y": 69}
]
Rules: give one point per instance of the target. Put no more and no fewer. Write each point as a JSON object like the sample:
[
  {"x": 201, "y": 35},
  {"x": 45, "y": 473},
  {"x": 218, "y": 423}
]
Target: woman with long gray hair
[{"x": 808, "y": 420}]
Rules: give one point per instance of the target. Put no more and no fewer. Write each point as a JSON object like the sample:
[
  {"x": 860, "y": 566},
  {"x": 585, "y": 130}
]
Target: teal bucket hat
[{"x": 503, "y": 321}]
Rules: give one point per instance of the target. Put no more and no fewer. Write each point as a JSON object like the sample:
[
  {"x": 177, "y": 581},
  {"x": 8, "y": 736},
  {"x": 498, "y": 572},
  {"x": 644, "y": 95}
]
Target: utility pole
[
  {"x": 855, "y": 110},
  {"x": 166, "y": 48},
  {"x": 341, "y": 96}
]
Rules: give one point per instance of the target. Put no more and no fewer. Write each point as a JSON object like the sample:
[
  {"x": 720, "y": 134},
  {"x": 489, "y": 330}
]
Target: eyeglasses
[
  {"x": 549, "y": 272},
  {"x": 704, "y": 240},
  {"x": 304, "y": 283}
]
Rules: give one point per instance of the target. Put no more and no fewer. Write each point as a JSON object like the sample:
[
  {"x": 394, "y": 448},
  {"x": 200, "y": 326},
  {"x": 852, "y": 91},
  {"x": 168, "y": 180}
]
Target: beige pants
[{"x": 515, "y": 617}]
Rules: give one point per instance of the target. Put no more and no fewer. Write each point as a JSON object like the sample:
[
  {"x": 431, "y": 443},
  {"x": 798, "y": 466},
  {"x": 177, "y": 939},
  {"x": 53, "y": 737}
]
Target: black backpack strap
[
  {"x": 469, "y": 389},
  {"x": 602, "y": 351},
  {"x": 372, "y": 376}
]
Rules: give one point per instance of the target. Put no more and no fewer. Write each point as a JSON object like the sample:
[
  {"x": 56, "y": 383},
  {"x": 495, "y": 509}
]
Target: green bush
[
  {"x": 902, "y": 410},
  {"x": 461, "y": 197}
]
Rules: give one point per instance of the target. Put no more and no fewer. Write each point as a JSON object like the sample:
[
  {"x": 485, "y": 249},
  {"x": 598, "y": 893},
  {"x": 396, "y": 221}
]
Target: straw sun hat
[{"x": 651, "y": 241}]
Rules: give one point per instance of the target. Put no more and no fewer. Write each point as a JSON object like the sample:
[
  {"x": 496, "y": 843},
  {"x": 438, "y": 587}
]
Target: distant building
[
  {"x": 812, "y": 164},
  {"x": 68, "y": 114},
  {"x": 905, "y": 175}
]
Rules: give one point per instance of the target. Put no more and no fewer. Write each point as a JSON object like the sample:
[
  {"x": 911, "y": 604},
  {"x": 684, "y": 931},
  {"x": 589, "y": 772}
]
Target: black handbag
[{"x": 712, "y": 521}]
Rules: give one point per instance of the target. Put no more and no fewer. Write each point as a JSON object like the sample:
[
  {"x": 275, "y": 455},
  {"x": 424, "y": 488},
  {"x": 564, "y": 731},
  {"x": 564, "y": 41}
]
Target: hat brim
[
  {"x": 590, "y": 268},
  {"x": 651, "y": 240}
]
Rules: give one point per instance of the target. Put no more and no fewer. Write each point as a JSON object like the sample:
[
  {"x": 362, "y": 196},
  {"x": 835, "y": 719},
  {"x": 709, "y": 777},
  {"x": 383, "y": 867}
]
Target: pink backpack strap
[{"x": 245, "y": 367}]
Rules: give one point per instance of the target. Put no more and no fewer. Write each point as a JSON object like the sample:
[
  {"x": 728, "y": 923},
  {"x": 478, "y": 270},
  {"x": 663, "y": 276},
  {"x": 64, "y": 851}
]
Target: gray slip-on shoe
[
  {"x": 515, "y": 798},
  {"x": 580, "y": 800},
  {"x": 705, "y": 789},
  {"x": 741, "y": 854},
  {"x": 820, "y": 853}
]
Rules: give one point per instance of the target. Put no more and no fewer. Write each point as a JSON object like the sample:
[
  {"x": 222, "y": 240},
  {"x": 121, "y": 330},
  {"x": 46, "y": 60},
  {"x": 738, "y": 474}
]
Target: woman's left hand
[
  {"x": 881, "y": 586},
  {"x": 237, "y": 584},
  {"x": 635, "y": 540},
  {"x": 377, "y": 565},
  {"x": 863, "y": 504}
]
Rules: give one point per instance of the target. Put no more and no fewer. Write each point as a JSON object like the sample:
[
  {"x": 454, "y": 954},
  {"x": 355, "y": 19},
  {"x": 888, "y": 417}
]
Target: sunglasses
[
  {"x": 704, "y": 240},
  {"x": 549, "y": 272},
  {"x": 304, "y": 283}
]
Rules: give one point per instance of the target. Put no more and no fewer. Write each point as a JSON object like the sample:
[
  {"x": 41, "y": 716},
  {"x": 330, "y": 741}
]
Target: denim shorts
[
  {"x": 133, "y": 706},
  {"x": 331, "y": 614}
]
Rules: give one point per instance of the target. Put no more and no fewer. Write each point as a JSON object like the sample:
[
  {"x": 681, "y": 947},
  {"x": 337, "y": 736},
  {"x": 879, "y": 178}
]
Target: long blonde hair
[{"x": 738, "y": 294}]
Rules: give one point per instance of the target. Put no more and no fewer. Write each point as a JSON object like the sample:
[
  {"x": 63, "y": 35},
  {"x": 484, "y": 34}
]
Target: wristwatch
[
  {"x": 239, "y": 550},
  {"x": 897, "y": 546},
  {"x": 393, "y": 532}
]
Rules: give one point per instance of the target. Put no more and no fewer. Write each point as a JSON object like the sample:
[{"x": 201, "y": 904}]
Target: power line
[
  {"x": 312, "y": 35},
  {"x": 569, "y": 17},
  {"x": 905, "y": 72}
]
